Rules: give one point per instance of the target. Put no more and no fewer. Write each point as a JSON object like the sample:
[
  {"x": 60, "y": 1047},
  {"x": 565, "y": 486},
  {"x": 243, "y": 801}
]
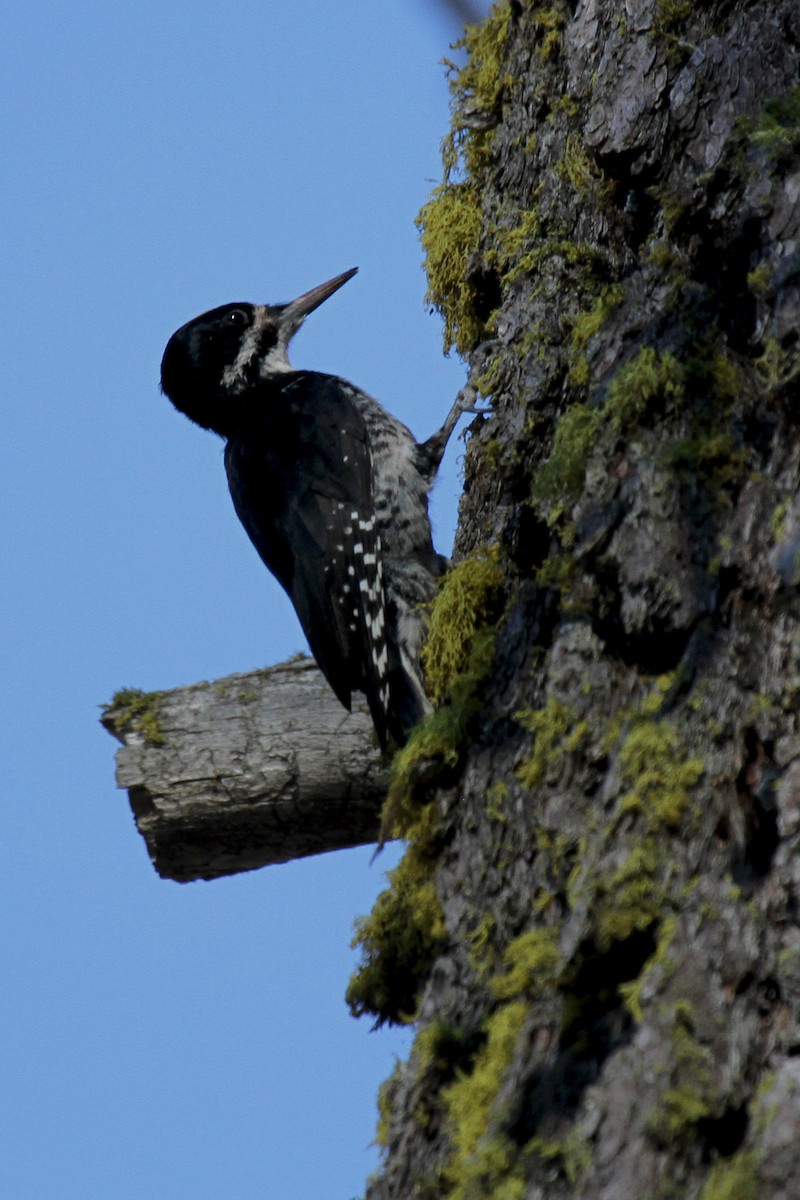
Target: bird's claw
[{"x": 467, "y": 401}]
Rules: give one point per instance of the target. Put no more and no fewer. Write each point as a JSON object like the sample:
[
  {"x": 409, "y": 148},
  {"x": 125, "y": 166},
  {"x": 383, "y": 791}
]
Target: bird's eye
[{"x": 235, "y": 319}]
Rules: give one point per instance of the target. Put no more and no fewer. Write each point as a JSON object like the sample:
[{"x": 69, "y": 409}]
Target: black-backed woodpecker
[{"x": 332, "y": 491}]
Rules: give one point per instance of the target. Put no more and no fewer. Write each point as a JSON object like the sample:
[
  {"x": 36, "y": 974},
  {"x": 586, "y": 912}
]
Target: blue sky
[{"x": 159, "y": 159}]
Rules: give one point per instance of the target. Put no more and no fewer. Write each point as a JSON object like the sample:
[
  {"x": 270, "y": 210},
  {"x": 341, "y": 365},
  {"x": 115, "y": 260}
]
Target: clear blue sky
[{"x": 159, "y": 158}]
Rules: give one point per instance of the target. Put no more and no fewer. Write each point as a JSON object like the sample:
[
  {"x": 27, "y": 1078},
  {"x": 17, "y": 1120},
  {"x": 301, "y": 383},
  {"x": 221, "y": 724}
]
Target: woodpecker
[{"x": 332, "y": 491}]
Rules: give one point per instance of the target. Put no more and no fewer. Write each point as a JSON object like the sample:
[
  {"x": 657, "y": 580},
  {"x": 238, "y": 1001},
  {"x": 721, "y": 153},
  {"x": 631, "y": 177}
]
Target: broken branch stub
[{"x": 247, "y": 771}]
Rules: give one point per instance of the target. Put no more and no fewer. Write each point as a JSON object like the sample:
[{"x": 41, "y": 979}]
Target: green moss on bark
[
  {"x": 450, "y": 222},
  {"x": 557, "y": 732},
  {"x": 401, "y": 937},
  {"x": 133, "y": 709},
  {"x": 465, "y": 601}
]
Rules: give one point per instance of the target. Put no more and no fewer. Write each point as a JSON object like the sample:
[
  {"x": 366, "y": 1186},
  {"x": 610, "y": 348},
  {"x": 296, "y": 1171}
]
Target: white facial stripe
[
  {"x": 233, "y": 377},
  {"x": 275, "y": 361}
]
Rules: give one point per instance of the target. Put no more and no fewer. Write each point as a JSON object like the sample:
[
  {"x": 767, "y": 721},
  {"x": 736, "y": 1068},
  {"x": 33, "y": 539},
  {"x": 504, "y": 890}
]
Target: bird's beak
[{"x": 296, "y": 311}]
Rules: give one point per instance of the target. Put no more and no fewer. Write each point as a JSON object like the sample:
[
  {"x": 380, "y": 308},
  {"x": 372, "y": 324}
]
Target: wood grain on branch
[{"x": 247, "y": 771}]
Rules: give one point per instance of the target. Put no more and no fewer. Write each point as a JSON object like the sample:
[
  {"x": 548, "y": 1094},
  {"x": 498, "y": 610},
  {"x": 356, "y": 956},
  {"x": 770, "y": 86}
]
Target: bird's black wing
[{"x": 300, "y": 475}]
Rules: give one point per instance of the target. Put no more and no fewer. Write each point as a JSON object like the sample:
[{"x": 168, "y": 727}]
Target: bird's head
[{"x": 214, "y": 360}]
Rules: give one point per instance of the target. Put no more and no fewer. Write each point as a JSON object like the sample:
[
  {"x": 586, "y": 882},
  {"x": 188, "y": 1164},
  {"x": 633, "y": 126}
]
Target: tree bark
[
  {"x": 608, "y": 996},
  {"x": 247, "y": 771}
]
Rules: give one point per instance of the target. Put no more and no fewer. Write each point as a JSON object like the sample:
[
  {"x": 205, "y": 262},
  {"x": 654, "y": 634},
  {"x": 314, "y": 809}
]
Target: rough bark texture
[
  {"x": 608, "y": 994},
  {"x": 251, "y": 770}
]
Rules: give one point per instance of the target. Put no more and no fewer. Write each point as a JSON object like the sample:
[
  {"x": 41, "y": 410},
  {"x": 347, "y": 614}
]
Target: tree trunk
[{"x": 605, "y": 961}]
